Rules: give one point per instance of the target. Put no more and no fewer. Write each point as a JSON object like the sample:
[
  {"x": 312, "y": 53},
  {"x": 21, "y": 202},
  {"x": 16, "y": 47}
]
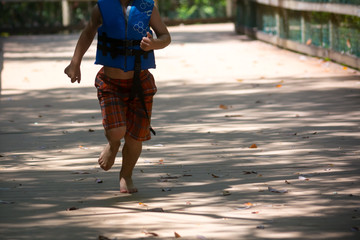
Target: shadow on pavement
[{"x": 50, "y": 140}]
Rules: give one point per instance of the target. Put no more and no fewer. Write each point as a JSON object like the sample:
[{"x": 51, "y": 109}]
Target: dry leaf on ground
[
  {"x": 156, "y": 210},
  {"x": 103, "y": 238},
  {"x": 142, "y": 204},
  {"x": 277, "y": 190},
  {"x": 222, "y": 106},
  {"x": 302, "y": 178},
  {"x": 245, "y": 206},
  {"x": 150, "y": 233},
  {"x": 72, "y": 209},
  {"x": 226, "y": 193},
  {"x": 249, "y": 172}
]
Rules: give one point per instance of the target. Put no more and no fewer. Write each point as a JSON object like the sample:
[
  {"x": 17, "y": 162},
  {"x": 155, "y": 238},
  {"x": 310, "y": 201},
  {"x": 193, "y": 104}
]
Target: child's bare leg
[
  {"x": 108, "y": 155},
  {"x": 130, "y": 153}
]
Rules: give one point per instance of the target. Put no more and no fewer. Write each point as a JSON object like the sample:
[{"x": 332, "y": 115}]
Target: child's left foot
[{"x": 127, "y": 185}]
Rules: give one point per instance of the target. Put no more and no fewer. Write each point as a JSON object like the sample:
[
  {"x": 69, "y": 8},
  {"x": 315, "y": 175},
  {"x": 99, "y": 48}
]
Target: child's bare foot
[
  {"x": 107, "y": 157},
  {"x": 127, "y": 185}
]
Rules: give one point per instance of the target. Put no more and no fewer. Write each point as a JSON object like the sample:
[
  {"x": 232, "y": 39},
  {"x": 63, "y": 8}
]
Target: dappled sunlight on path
[{"x": 198, "y": 177}]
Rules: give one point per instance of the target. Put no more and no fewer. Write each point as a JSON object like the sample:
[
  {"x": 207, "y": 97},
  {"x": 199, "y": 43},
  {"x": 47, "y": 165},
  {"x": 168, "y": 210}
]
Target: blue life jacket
[{"x": 119, "y": 36}]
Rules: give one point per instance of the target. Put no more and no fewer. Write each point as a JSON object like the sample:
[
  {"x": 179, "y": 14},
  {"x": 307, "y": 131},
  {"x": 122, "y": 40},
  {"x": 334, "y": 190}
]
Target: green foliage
[{"x": 191, "y": 9}]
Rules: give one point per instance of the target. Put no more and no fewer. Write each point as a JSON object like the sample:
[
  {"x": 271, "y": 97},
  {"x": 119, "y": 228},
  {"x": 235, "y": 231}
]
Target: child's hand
[
  {"x": 73, "y": 73},
  {"x": 147, "y": 43}
]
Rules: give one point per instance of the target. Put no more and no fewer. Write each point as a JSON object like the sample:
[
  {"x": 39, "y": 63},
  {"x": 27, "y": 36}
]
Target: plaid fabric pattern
[{"x": 116, "y": 108}]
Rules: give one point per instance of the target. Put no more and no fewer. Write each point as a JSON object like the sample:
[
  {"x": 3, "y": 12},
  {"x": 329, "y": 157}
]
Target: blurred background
[{"x": 329, "y": 29}]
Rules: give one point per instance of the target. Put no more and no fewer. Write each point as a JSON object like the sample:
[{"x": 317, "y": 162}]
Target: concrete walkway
[{"x": 219, "y": 94}]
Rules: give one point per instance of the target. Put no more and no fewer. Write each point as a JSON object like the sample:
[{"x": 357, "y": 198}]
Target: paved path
[{"x": 218, "y": 94}]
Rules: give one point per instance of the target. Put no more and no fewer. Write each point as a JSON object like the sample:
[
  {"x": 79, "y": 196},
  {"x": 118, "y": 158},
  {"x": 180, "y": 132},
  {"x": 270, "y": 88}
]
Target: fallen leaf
[
  {"x": 103, "y": 238},
  {"x": 302, "y": 178},
  {"x": 142, "y": 204},
  {"x": 257, "y": 212},
  {"x": 91, "y": 130},
  {"x": 222, "y": 106},
  {"x": 164, "y": 180},
  {"x": 287, "y": 182},
  {"x": 169, "y": 177},
  {"x": 215, "y": 176},
  {"x": 239, "y": 80},
  {"x": 72, "y": 209},
  {"x": 80, "y": 172},
  {"x": 345, "y": 68},
  {"x": 277, "y": 191},
  {"x": 260, "y": 227},
  {"x": 249, "y": 172},
  {"x": 308, "y": 42},
  {"x": 246, "y": 206},
  {"x": 226, "y": 193},
  {"x": 177, "y": 235},
  {"x": 253, "y": 146},
  {"x": 156, "y": 210},
  {"x": 161, "y": 161},
  {"x": 279, "y": 86},
  {"x": 151, "y": 233}
]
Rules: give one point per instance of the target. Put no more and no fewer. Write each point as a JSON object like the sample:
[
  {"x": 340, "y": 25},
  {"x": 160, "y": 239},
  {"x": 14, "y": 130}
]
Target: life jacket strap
[{"x": 136, "y": 89}]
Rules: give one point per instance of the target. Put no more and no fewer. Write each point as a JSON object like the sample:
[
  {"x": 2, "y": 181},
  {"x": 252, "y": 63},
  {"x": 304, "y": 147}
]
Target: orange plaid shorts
[{"x": 118, "y": 110}]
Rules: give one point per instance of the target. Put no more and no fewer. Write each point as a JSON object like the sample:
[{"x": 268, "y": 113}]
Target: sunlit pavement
[{"x": 253, "y": 142}]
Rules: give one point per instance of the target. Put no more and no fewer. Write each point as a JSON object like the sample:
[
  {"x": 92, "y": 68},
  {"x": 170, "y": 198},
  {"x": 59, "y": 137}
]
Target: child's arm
[
  {"x": 83, "y": 44},
  {"x": 163, "y": 36}
]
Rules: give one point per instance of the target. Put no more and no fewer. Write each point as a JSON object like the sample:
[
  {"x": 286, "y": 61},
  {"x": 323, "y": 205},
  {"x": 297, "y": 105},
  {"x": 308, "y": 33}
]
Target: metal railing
[{"x": 323, "y": 28}]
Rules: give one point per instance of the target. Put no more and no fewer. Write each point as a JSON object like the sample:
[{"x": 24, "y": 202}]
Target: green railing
[{"x": 327, "y": 28}]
